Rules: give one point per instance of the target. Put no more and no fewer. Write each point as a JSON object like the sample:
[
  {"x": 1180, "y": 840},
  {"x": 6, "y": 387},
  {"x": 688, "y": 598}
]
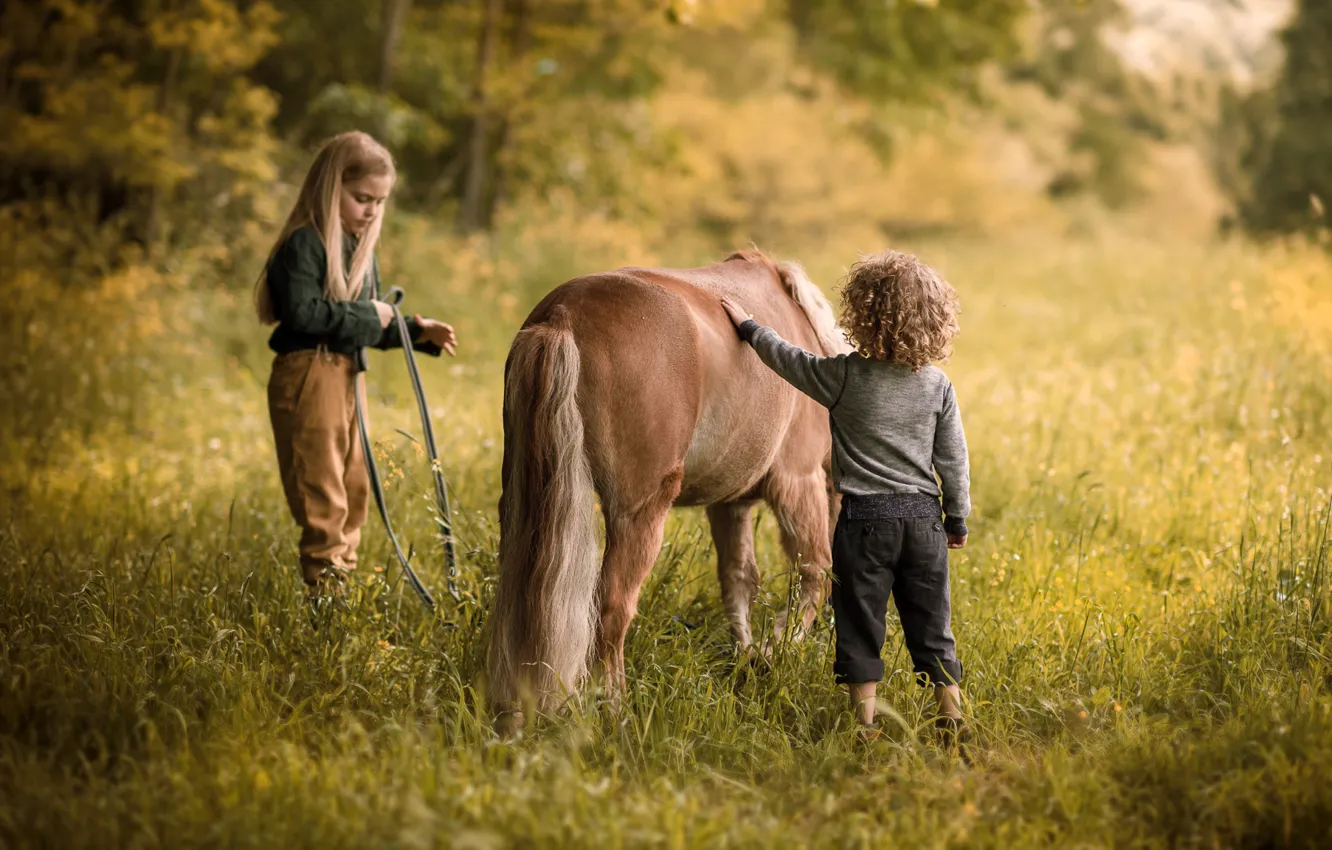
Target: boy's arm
[
  {"x": 952, "y": 465},
  {"x": 820, "y": 378}
]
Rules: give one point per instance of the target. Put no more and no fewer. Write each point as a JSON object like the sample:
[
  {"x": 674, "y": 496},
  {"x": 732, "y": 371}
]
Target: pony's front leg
[
  {"x": 800, "y": 504},
  {"x": 737, "y": 567}
]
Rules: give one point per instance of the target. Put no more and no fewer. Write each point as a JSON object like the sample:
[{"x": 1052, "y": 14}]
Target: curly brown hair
[{"x": 896, "y": 308}]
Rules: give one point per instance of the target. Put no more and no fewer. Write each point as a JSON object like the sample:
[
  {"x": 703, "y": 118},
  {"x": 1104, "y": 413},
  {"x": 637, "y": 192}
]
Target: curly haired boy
[{"x": 895, "y": 425}]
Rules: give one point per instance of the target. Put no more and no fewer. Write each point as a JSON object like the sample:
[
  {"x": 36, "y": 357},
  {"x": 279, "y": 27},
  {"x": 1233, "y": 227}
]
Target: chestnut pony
[{"x": 632, "y": 385}]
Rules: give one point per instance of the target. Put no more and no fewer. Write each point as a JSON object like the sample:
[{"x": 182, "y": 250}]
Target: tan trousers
[{"x": 319, "y": 456}]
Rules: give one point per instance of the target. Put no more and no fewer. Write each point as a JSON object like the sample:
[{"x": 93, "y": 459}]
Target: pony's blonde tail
[{"x": 544, "y": 617}]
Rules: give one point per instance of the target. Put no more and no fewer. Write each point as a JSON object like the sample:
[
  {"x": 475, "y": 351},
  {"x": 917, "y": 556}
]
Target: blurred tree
[
  {"x": 1239, "y": 148},
  {"x": 452, "y": 86},
  {"x": 1290, "y": 165},
  {"x": 568, "y": 98},
  {"x": 119, "y": 108},
  {"x": 160, "y": 113},
  {"x": 905, "y": 49},
  {"x": 518, "y": 38},
  {"x": 1117, "y": 110},
  {"x": 474, "y": 213},
  {"x": 392, "y": 15}
]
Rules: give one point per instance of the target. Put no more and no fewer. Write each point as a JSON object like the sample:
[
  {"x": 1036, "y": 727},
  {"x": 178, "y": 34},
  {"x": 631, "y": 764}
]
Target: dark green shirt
[{"x": 306, "y": 318}]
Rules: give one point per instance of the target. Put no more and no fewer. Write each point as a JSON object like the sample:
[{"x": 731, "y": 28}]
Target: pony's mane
[{"x": 807, "y": 295}]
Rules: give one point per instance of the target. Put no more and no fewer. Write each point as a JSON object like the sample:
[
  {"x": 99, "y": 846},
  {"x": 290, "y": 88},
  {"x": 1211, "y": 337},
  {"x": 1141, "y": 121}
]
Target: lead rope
[{"x": 443, "y": 517}]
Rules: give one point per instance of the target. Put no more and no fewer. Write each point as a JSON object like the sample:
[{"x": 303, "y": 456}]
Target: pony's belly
[
  {"x": 713, "y": 491},
  {"x": 729, "y": 456}
]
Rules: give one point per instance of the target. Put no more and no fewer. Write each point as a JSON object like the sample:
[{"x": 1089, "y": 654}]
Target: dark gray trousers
[{"x": 907, "y": 558}]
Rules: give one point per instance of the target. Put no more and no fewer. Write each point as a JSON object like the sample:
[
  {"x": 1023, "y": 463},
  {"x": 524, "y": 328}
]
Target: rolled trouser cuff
[
  {"x": 932, "y": 673},
  {"x": 859, "y": 671}
]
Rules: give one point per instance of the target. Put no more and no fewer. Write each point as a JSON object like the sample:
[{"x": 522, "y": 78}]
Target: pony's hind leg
[
  {"x": 633, "y": 539},
  {"x": 737, "y": 568},
  {"x": 800, "y": 504}
]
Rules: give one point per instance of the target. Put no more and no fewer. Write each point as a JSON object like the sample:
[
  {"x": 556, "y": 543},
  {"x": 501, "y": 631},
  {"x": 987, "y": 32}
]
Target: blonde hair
[
  {"x": 896, "y": 308},
  {"x": 345, "y": 158}
]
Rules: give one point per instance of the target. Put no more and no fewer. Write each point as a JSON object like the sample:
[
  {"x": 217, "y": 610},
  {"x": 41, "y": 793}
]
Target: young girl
[
  {"x": 321, "y": 286},
  {"x": 895, "y": 424}
]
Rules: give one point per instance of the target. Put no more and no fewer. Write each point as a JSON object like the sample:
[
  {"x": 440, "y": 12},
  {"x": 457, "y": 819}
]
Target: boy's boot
[{"x": 952, "y": 728}]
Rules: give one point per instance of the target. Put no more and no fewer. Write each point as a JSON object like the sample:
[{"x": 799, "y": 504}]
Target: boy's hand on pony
[
  {"x": 439, "y": 333},
  {"x": 957, "y": 541},
  {"x": 735, "y": 311},
  {"x": 385, "y": 313}
]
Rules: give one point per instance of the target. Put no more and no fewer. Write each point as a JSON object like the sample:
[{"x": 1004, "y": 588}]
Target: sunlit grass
[{"x": 1142, "y": 609}]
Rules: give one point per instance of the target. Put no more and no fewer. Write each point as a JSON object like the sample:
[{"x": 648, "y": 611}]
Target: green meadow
[{"x": 1142, "y": 608}]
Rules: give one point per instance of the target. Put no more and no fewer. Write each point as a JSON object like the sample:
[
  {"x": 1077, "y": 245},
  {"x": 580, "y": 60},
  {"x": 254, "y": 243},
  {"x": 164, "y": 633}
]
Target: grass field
[{"x": 1142, "y": 609}]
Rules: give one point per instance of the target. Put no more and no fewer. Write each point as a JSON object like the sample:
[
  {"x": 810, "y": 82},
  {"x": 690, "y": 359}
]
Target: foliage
[
  {"x": 908, "y": 49},
  {"x": 122, "y": 109},
  {"x": 179, "y": 105}
]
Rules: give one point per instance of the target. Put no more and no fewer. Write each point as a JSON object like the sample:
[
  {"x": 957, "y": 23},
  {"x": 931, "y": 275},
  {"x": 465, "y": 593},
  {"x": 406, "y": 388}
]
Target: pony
[{"x": 631, "y": 387}]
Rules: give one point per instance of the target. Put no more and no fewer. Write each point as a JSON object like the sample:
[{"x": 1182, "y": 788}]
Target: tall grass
[{"x": 1142, "y": 609}]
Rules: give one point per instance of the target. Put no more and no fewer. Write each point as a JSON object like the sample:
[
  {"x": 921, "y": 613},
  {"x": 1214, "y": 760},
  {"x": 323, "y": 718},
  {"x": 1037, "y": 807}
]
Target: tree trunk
[
  {"x": 165, "y": 98},
  {"x": 518, "y": 38},
  {"x": 473, "y": 213},
  {"x": 392, "y": 15}
]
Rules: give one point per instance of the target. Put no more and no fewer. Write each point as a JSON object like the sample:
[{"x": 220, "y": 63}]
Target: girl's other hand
[
  {"x": 385, "y": 313},
  {"x": 438, "y": 333},
  {"x": 735, "y": 311},
  {"x": 957, "y": 541}
]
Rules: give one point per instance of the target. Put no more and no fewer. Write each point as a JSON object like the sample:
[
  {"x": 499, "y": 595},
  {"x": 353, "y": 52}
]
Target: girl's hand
[
  {"x": 438, "y": 333},
  {"x": 735, "y": 311},
  {"x": 957, "y": 541},
  {"x": 385, "y": 313}
]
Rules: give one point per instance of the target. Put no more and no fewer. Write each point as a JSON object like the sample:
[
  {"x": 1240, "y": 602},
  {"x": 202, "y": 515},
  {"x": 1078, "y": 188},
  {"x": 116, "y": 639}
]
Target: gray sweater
[{"x": 892, "y": 429}]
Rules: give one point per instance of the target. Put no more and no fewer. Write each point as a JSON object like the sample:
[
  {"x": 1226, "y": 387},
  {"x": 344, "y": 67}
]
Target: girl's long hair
[{"x": 345, "y": 158}]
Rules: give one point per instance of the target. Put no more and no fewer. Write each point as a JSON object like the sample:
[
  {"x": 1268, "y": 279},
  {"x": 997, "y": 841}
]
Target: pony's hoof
[
  {"x": 758, "y": 658},
  {"x": 509, "y": 723},
  {"x": 752, "y": 661},
  {"x": 768, "y": 648}
]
